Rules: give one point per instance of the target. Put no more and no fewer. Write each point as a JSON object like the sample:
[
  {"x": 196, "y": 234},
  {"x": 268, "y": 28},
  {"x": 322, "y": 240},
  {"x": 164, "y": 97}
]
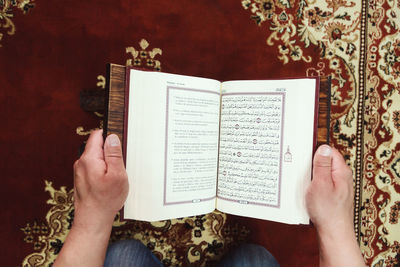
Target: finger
[
  {"x": 113, "y": 154},
  {"x": 94, "y": 145},
  {"x": 338, "y": 162},
  {"x": 322, "y": 166},
  {"x": 341, "y": 173}
]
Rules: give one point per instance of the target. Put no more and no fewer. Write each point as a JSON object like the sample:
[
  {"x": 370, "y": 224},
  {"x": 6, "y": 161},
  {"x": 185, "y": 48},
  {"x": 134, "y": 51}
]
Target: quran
[{"x": 193, "y": 145}]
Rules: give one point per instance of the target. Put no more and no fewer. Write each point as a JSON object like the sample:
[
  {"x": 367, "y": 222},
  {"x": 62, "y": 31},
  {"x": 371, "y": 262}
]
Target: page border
[
  {"x": 281, "y": 150},
  {"x": 166, "y": 147}
]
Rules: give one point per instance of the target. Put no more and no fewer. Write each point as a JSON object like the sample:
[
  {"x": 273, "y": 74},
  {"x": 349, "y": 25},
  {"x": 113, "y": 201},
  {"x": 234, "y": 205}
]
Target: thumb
[
  {"x": 113, "y": 153},
  {"x": 322, "y": 169}
]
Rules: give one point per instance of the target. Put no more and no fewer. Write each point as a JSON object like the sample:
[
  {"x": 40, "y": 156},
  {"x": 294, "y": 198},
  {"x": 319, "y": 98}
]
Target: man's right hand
[{"x": 329, "y": 202}]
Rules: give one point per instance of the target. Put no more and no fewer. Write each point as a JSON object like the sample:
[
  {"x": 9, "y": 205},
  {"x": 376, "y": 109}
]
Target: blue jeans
[{"x": 130, "y": 253}]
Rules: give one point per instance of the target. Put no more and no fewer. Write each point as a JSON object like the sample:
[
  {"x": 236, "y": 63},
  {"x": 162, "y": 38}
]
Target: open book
[{"x": 193, "y": 145}]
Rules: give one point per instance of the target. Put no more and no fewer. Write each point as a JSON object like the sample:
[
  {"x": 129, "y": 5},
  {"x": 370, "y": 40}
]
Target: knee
[
  {"x": 254, "y": 251},
  {"x": 249, "y": 255},
  {"x": 124, "y": 246},
  {"x": 129, "y": 253}
]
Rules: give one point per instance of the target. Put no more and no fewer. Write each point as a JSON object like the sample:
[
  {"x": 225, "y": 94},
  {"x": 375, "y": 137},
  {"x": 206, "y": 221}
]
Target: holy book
[{"x": 193, "y": 145}]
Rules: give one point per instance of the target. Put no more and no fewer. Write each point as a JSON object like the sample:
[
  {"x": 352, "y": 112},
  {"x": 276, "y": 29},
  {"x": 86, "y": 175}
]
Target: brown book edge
[
  {"x": 114, "y": 107},
  {"x": 316, "y": 113}
]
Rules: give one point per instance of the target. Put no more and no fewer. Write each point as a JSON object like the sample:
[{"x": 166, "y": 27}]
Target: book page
[
  {"x": 172, "y": 145},
  {"x": 191, "y": 146},
  {"x": 250, "y": 158},
  {"x": 266, "y": 143}
]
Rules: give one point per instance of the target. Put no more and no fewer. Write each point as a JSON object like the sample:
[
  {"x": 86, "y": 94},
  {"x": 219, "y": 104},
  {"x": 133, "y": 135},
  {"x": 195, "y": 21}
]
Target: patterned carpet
[
  {"x": 50, "y": 52},
  {"x": 359, "y": 44}
]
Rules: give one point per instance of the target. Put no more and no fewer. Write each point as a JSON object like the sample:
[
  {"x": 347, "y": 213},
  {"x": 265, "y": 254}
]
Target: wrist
[
  {"x": 337, "y": 230},
  {"x": 92, "y": 222},
  {"x": 87, "y": 241},
  {"x": 339, "y": 247}
]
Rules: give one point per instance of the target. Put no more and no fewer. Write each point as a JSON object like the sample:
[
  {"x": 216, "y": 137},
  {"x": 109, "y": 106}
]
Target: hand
[
  {"x": 101, "y": 182},
  {"x": 330, "y": 197},
  {"x": 100, "y": 190},
  {"x": 329, "y": 202}
]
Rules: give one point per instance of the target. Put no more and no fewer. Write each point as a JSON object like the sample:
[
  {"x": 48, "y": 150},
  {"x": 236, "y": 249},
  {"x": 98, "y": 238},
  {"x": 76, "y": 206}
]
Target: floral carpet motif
[
  {"x": 6, "y": 14},
  {"x": 192, "y": 241},
  {"x": 359, "y": 47}
]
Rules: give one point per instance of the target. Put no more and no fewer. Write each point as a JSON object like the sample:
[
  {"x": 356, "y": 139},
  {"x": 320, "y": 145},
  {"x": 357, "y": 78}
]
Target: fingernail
[
  {"x": 325, "y": 150},
  {"x": 113, "y": 140}
]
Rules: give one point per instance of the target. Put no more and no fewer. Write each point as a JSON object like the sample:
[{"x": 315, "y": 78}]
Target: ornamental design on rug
[
  {"x": 389, "y": 61},
  {"x": 141, "y": 58},
  {"x": 7, "y": 13},
  {"x": 192, "y": 240},
  {"x": 328, "y": 26},
  {"x": 379, "y": 231},
  {"x": 396, "y": 119},
  {"x": 34, "y": 234},
  {"x": 48, "y": 236},
  {"x": 394, "y": 213},
  {"x": 296, "y": 28}
]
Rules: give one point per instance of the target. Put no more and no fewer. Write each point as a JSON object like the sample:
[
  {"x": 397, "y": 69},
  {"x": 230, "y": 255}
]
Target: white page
[
  {"x": 165, "y": 180},
  {"x": 254, "y": 179}
]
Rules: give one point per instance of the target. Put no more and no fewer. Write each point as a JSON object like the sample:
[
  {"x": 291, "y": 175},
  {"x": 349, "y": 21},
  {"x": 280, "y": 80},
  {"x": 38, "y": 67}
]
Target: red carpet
[{"x": 54, "y": 50}]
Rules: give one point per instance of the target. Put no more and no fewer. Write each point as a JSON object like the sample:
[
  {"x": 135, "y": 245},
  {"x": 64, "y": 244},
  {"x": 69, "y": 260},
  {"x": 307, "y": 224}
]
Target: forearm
[
  {"x": 100, "y": 189},
  {"x": 339, "y": 249},
  {"x": 85, "y": 245}
]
